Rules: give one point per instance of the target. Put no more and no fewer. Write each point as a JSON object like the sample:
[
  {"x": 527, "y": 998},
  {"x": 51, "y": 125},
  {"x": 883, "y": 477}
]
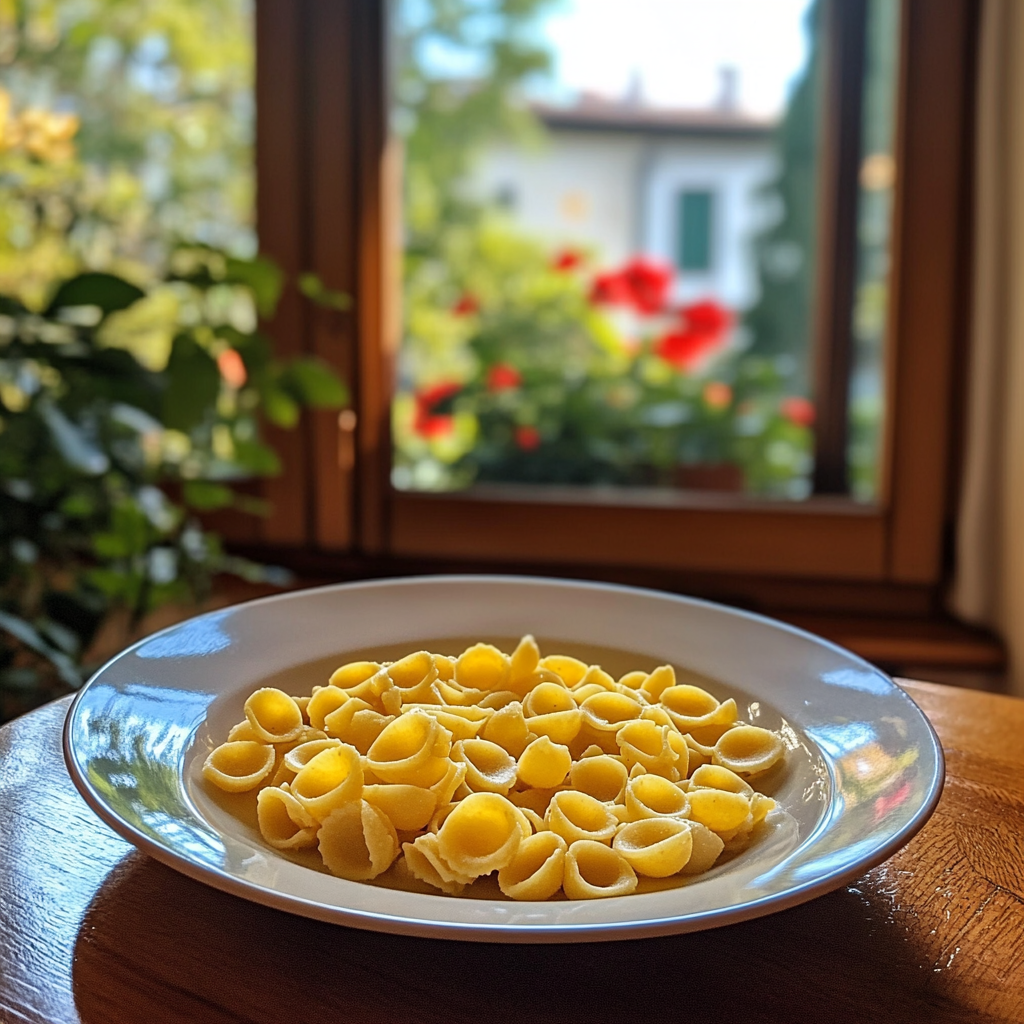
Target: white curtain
[{"x": 989, "y": 584}]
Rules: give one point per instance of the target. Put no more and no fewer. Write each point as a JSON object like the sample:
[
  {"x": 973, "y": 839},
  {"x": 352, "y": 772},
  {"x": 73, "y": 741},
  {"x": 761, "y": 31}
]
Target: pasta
[{"x": 544, "y": 771}]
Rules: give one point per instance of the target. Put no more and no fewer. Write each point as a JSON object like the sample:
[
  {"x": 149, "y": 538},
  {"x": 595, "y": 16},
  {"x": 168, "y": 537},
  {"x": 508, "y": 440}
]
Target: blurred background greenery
[{"x": 134, "y": 374}]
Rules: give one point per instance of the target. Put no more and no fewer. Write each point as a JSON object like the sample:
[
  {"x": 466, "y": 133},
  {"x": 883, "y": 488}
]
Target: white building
[{"x": 678, "y": 185}]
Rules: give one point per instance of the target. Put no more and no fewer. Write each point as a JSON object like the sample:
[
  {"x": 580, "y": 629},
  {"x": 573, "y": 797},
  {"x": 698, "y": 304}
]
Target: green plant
[
  {"x": 523, "y": 365},
  {"x": 124, "y": 413}
]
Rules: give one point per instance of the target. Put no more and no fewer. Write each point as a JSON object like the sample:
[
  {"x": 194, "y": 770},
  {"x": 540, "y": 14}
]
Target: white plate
[{"x": 863, "y": 773}]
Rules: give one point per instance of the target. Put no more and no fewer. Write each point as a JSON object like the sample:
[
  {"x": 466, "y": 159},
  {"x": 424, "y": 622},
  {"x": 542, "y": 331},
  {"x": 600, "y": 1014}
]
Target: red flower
[
  {"x": 429, "y": 421},
  {"x": 231, "y": 367},
  {"x": 799, "y": 411},
  {"x": 527, "y": 438},
  {"x": 567, "y": 259},
  {"x": 704, "y": 329},
  {"x": 610, "y": 289},
  {"x": 642, "y": 284},
  {"x": 649, "y": 282},
  {"x": 467, "y": 305},
  {"x": 503, "y": 377},
  {"x": 707, "y": 317}
]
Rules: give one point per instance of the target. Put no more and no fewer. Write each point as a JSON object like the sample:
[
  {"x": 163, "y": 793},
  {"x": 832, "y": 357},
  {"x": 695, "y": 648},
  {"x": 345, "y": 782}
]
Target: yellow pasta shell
[
  {"x": 273, "y": 715},
  {"x": 427, "y": 864},
  {"x": 481, "y": 835},
  {"x": 602, "y": 777},
  {"x": 507, "y": 727},
  {"x": 535, "y": 800},
  {"x": 444, "y": 788},
  {"x": 537, "y": 870},
  {"x": 718, "y": 809},
  {"x": 748, "y": 749},
  {"x": 489, "y": 768},
  {"x": 560, "y": 726},
  {"x": 324, "y": 702},
  {"x": 357, "y": 841},
  {"x": 713, "y": 776},
  {"x": 696, "y": 711},
  {"x": 413, "y": 670},
  {"x": 707, "y": 847},
  {"x": 609, "y": 711},
  {"x": 544, "y": 764},
  {"x": 463, "y": 723},
  {"x": 569, "y": 670},
  {"x": 656, "y": 847},
  {"x": 661, "y": 679},
  {"x": 354, "y": 673},
  {"x": 298, "y": 757},
  {"x": 242, "y": 731},
  {"x": 576, "y": 816},
  {"x": 524, "y": 662},
  {"x": 238, "y": 765},
  {"x": 595, "y": 871},
  {"x": 445, "y": 667},
  {"x": 645, "y": 743},
  {"x": 484, "y": 667},
  {"x": 548, "y": 699},
  {"x": 631, "y": 681},
  {"x": 407, "y": 744},
  {"x": 651, "y": 796},
  {"x": 331, "y": 778},
  {"x": 410, "y": 808},
  {"x": 760, "y": 806},
  {"x": 283, "y": 821}
]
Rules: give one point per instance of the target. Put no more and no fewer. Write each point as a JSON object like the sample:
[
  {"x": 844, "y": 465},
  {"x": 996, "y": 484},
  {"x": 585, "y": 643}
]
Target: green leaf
[
  {"x": 280, "y": 407},
  {"x": 10, "y": 306},
  {"x": 109, "y": 545},
  {"x": 314, "y": 383},
  {"x": 107, "y": 292},
  {"x": 257, "y": 458},
  {"x": 109, "y": 582},
  {"x": 261, "y": 276},
  {"x": 193, "y": 384},
  {"x": 203, "y": 494},
  {"x": 316, "y": 291}
]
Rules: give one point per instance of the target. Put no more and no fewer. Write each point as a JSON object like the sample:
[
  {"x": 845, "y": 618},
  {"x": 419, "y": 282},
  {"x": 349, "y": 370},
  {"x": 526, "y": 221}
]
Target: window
[
  {"x": 632, "y": 323},
  {"x": 892, "y": 539},
  {"x": 696, "y": 220}
]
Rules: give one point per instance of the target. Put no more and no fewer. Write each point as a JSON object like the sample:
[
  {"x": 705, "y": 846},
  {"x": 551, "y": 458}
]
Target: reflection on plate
[{"x": 863, "y": 772}]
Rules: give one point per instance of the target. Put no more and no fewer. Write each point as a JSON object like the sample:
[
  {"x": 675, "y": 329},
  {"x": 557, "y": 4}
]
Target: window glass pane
[
  {"x": 695, "y": 227},
  {"x": 125, "y": 128},
  {"x": 610, "y": 228}
]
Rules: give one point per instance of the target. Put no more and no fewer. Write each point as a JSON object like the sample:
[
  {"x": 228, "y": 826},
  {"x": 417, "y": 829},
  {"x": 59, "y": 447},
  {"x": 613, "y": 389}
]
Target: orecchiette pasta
[{"x": 435, "y": 770}]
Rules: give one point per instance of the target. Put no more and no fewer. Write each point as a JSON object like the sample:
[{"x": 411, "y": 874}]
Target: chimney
[{"x": 728, "y": 90}]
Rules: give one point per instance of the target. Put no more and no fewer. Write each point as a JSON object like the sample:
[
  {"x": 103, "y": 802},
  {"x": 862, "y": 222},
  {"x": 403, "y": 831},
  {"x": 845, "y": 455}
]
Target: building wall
[
  {"x": 618, "y": 192},
  {"x": 732, "y": 171}
]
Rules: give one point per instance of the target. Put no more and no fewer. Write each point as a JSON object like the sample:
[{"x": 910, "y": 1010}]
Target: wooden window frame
[{"x": 328, "y": 186}]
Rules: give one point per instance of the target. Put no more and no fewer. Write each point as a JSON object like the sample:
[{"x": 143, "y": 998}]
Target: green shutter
[{"x": 694, "y": 234}]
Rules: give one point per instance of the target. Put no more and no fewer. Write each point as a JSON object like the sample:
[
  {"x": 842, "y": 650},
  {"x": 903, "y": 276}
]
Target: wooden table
[{"x": 93, "y": 931}]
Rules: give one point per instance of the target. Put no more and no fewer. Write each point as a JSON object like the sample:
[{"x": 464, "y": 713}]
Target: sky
[{"x": 677, "y": 47}]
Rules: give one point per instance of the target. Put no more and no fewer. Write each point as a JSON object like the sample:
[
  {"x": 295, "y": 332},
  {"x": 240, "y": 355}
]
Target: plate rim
[{"x": 503, "y": 932}]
